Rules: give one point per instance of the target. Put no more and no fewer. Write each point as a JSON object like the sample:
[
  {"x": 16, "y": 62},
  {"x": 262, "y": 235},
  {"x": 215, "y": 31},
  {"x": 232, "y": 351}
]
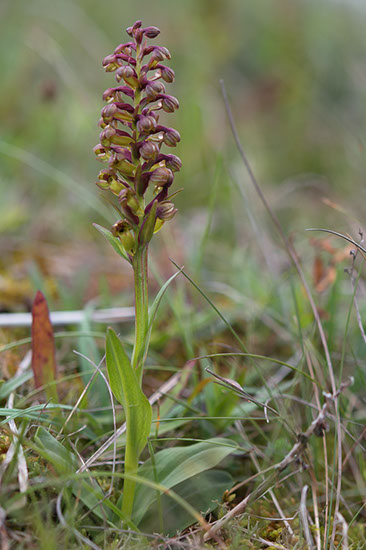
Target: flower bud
[
  {"x": 167, "y": 74},
  {"x": 146, "y": 124},
  {"x": 160, "y": 53},
  {"x": 160, "y": 176},
  {"x": 136, "y": 32},
  {"x": 151, "y": 32},
  {"x": 149, "y": 150},
  {"x": 170, "y": 103},
  {"x": 171, "y": 161},
  {"x": 136, "y": 25},
  {"x": 165, "y": 210},
  {"x": 171, "y": 137},
  {"x": 153, "y": 89}
]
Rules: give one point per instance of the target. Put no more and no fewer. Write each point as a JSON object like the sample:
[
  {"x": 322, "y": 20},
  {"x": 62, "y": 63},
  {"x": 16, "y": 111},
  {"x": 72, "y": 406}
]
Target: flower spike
[{"x": 131, "y": 137}]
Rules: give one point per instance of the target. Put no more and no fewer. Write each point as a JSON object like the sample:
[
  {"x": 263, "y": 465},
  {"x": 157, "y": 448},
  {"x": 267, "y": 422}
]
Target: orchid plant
[{"x": 140, "y": 175}]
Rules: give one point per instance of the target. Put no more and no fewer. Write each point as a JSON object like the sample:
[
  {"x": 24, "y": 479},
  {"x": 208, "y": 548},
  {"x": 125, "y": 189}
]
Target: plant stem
[
  {"x": 129, "y": 485},
  {"x": 139, "y": 265}
]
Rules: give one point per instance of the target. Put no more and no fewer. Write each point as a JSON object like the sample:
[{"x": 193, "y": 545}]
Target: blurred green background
[{"x": 295, "y": 75}]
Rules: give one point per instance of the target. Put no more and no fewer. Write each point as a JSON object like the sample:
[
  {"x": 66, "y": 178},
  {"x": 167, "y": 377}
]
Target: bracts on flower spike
[{"x": 132, "y": 138}]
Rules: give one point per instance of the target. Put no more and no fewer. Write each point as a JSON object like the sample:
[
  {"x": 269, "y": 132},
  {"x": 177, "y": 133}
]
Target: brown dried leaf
[
  {"x": 43, "y": 343},
  {"x": 318, "y": 270}
]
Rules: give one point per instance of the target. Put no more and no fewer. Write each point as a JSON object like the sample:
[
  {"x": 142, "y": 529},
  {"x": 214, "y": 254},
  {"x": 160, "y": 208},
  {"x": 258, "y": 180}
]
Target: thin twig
[
  {"x": 275, "y": 501},
  {"x": 340, "y": 520},
  {"x": 59, "y": 318},
  {"x": 303, "y": 513},
  {"x": 315, "y": 503}
]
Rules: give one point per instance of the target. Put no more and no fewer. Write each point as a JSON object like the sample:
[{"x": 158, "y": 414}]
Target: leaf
[
  {"x": 12, "y": 384},
  {"x": 113, "y": 241},
  {"x": 147, "y": 228},
  {"x": 65, "y": 462},
  {"x": 43, "y": 347},
  {"x": 175, "y": 465},
  {"x": 202, "y": 491},
  {"x": 126, "y": 389},
  {"x": 62, "y": 459}
]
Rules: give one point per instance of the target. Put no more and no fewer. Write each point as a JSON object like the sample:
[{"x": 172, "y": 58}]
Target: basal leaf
[
  {"x": 203, "y": 491},
  {"x": 175, "y": 465}
]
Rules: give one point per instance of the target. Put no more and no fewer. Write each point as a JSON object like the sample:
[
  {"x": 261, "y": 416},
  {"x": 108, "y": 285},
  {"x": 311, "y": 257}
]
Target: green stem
[
  {"x": 139, "y": 265},
  {"x": 129, "y": 485}
]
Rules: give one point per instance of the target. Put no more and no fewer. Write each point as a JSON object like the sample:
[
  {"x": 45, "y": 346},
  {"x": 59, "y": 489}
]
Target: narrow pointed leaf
[
  {"x": 43, "y": 346},
  {"x": 113, "y": 241},
  {"x": 147, "y": 229}
]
